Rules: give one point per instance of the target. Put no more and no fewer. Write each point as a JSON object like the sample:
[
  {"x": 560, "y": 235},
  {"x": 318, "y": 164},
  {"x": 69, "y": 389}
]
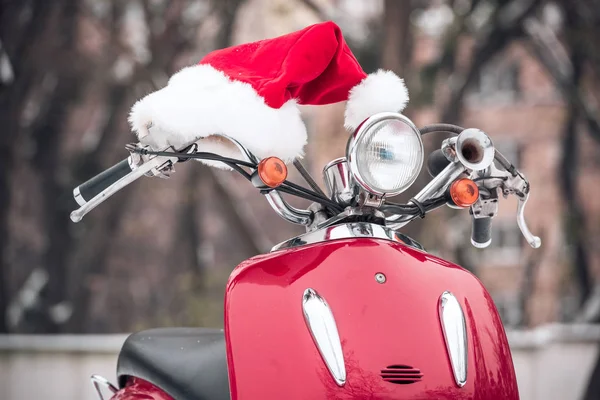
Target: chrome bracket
[
  {"x": 366, "y": 199},
  {"x": 485, "y": 208},
  {"x": 99, "y": 382}
]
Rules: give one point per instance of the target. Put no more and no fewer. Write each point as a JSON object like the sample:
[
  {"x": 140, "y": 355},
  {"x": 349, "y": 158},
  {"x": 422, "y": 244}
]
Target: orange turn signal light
[
  {"x": 464, "y": 192},
  {"x": 272, "y": 171}
]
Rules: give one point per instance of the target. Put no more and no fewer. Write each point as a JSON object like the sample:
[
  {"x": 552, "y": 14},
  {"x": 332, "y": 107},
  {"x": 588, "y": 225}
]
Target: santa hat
[{"x": 250, "y": 92}]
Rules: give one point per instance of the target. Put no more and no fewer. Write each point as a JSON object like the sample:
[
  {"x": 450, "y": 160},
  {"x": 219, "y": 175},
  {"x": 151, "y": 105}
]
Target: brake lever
[
  {"x": 513, "y": 182},
  {"x": 519, "y": 186},
  {"x": 534, "y": 241}
]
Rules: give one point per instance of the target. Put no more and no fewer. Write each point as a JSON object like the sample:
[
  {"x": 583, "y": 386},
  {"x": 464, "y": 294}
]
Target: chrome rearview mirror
[{"x": 474, "y": 149}]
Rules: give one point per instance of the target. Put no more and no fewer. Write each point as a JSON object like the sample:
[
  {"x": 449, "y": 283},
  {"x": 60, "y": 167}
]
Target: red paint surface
[
  {"x": 272, "y": 355},
  {"x": 139, "y": 389}
]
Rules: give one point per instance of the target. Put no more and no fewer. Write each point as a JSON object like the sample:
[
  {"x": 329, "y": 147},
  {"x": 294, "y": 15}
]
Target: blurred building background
[{"x": 159, "y": 253}]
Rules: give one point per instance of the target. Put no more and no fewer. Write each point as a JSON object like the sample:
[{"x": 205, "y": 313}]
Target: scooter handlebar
[
  {"x": 481, "y": 232},
  {"x": 94, "y": 186},
  {"x": 111, "y": 184}
]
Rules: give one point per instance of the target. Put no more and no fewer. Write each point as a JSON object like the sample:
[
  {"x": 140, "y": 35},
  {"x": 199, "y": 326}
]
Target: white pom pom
[{"x": 378, "y": 92}]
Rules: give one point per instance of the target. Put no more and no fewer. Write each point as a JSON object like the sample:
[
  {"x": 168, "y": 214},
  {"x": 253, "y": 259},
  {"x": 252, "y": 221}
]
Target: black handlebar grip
[
  {"x": 88, "y": 190},
  {"x": 481, "y": 233},
  {"x": 436, "y": 162}
]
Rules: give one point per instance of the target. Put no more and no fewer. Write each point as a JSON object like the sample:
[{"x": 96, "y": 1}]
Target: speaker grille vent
[{"x": 401, "y": 374}]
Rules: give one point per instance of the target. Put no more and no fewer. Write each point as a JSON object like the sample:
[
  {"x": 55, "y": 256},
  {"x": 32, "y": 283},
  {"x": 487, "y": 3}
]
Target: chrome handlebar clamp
[{"x": 136, "y": 159}]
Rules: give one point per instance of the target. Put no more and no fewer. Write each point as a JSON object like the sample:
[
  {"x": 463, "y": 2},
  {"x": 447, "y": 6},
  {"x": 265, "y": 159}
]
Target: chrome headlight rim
[{"x": 355, "y": 140}]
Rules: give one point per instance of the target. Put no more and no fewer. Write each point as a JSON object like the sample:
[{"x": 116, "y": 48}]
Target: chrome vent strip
[
  {"x": 321, "y": 324},
  {"x": 452, "y": 319}
]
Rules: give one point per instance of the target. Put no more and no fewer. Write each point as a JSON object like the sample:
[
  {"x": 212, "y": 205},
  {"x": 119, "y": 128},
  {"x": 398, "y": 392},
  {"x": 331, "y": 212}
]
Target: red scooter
[{"x": 352, "y": 309}]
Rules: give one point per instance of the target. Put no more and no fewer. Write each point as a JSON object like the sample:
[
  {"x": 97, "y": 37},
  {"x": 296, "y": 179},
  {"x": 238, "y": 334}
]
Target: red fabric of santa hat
[{"x": 250, "y": 92}]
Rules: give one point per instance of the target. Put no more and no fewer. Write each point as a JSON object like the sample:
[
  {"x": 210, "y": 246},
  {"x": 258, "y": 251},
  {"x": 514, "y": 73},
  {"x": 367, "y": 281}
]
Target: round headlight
[{"x": 385, "y": 154}]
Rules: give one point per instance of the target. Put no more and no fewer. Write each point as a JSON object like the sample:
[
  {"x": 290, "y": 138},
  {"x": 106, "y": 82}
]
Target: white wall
[
  {"x": 552, "y": 362},
  {"x": 55, "y": 367}
]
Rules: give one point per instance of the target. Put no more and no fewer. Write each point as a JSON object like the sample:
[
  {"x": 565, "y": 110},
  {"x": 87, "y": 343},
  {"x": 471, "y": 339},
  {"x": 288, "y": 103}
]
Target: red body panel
[
  {"x": 139, "y": 389},
  {"x": 271, "y": 354}
]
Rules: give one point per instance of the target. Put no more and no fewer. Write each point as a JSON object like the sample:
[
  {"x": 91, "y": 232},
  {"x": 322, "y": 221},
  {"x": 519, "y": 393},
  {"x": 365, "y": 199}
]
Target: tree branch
[
  {"x": 528, "y": 285},
  {"x": 227, "y": 12},
  {"x": 396, "y": 35},
  {"x": 24, "y": 52},
  {"x": 568, "y": 176},
  {"x": 48, "y": 132},
  {"x": 551, "y": 54},
  {"x": 315, "y": 8},
  {"x": 503, "y": 28}
]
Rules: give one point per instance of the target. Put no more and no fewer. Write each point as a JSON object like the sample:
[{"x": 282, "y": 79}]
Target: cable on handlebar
[
  {"x": 309, "y": 179},
  {"x": 305, "y": 194},
  {"x": 446, "y": 128},
  {"x": 324, "y": 200},
  {"x": 235, "y": 164},
  {"x": 420, "y": 206},
  {"x": 413, "y": 209},
  {"x": 483, "y": 178},
  {"x": 197, "y": 156},
  {"x": 507, "y": 164}
]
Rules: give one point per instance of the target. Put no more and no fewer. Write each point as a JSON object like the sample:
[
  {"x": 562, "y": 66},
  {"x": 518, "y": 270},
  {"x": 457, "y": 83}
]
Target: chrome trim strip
[
  {"x": 348, "y": 230},
  {"x": 453, "y": 324},
  {"x": 321, "y": 324},
  {"x": 78, "y": 197},
  {"x": 98, "y": 380}
]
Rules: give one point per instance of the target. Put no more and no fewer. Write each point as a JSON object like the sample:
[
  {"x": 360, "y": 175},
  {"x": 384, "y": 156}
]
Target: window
[
  {"x": 498, "y": 82},
  {"x": 506, "y": 242},
  {"x": 510, "y": 149},
  {"x": 508, "y": 307}
]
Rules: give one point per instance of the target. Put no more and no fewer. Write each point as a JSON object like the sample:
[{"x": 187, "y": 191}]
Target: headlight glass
[{"x": 386, "y": 154}]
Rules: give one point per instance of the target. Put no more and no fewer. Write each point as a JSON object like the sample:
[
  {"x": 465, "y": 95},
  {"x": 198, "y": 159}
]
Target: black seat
[{"x": 187, "y": 363}]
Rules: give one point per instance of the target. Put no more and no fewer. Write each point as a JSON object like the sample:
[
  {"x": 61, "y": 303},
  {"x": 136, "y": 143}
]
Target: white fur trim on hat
[
  {"x": 201, "y": 101},
  {"x": 378, "y": 92}
]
